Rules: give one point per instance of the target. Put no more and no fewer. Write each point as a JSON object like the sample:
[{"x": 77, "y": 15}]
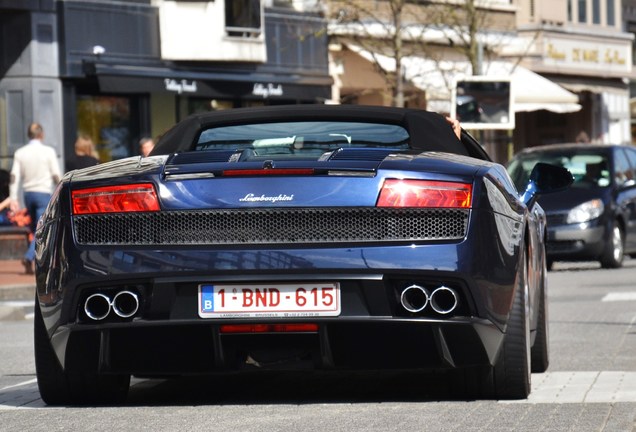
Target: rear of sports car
[{"x": 199, "y": 262}]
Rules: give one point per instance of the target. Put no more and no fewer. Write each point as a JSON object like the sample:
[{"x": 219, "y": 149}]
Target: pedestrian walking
[{"x": 35, "y": 168}]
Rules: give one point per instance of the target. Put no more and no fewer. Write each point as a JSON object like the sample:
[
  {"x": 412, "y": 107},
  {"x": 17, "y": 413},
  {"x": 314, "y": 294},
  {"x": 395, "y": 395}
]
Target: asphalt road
[{"x": 590, "y": 385}]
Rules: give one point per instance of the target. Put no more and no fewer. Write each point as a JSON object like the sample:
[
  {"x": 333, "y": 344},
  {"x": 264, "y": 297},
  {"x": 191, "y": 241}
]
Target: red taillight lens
[
  {"x": 115, "y": 199},
  {"x": 424, "y": 193},
  {"x": 269, "y": 328}
]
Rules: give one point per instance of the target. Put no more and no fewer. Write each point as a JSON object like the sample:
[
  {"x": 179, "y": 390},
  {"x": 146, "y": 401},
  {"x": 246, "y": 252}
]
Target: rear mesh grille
[{"x": 271, "y": 226}]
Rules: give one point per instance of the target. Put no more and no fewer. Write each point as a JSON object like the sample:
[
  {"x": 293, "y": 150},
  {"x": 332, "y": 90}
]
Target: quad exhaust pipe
[
  {"x": 442, "y": 300},
  {"x": 124, "y": 304},
  {"x": 414, "y": 298}
]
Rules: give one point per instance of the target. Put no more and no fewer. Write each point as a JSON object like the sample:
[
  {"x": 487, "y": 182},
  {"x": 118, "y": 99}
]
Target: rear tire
[
  {"x": 614, "y": 248},
  {"x": 509, "y": 378},
  {"x": 60, "y": 387},
  {"x": 539, "y": 354},
  {"x": 51, "y": 378}
]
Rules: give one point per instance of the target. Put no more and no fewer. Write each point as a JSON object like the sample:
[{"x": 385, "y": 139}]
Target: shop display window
[{"x": 108, "y": 121}]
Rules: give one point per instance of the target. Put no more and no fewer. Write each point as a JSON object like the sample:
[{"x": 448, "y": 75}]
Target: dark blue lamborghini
[{"x": 318, "y": 237}]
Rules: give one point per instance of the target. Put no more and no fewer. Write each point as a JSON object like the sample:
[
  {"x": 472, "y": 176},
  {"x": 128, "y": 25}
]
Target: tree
[
  {"x": 381, "y": 28},
  {"x": 402, "y": 29}
]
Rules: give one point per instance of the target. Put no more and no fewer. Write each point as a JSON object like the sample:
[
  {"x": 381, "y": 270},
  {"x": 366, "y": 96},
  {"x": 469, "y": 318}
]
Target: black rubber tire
[
  {"x": 60, "y": 387},
  {"x": 510, "y": 377},
  {"x": 614, "y": 253},
  {"x": 51, "y": 378},
  {"x": 539, "y": 353}
]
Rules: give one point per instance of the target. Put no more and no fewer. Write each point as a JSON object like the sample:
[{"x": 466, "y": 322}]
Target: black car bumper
[
  {"x": 167, "y": 336},
  {"x": 200, "y": 348},
  {"x": 575, "y": 242}
]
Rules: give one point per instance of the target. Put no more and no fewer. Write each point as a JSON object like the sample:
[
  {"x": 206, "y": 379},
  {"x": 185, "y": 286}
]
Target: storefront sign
[
  {"x": 267, "y": 90},
  {"x": 180, "y": 86},
  {"x": 584, "y": 55}
]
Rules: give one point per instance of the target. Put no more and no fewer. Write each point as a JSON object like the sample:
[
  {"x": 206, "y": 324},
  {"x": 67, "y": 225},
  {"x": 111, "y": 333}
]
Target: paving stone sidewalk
[{"x": 15, "y": 284}]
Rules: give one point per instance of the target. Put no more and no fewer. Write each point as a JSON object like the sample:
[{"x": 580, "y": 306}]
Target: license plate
[{"x": 271, "y": 300}]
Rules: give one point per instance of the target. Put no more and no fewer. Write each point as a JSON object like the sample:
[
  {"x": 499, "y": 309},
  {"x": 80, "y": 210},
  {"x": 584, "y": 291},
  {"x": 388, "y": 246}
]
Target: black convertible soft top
[{"x": 429, "y": 131}]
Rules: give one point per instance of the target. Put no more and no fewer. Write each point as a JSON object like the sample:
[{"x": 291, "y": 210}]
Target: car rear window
[{"x": 303, "y": 138}]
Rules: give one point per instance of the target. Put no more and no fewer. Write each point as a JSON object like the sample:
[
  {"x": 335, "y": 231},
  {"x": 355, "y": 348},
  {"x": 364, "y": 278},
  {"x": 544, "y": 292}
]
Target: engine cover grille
[{"x": 271, "y": 226}]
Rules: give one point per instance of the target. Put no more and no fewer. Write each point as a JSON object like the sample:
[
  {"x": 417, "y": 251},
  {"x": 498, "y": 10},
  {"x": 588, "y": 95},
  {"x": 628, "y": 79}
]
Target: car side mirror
[{"x": 544, "y": 179}]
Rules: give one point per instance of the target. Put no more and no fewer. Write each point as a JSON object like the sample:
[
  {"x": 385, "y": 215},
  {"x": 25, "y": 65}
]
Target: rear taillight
[
  {"x": 115, "y": 199},
  {"x": 425, "y": 193}
]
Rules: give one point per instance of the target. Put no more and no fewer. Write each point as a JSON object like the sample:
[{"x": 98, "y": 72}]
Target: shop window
[
  {"x": 243, "y": 18},
  {"x": 201, "y": 105},
  {"x": 107, "y": 120}
]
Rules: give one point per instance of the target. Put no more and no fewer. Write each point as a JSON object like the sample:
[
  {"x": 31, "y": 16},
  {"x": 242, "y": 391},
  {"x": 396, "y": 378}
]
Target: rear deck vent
[{"x": 272, "y": 226}]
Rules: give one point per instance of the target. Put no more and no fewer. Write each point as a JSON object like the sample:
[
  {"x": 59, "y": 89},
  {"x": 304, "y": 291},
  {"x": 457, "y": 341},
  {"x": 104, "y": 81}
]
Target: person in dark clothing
[{"x": 85, "y": 154}]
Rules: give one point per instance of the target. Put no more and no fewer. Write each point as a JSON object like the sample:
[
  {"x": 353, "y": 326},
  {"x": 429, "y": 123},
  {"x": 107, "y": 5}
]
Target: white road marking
[
  {"x": 17, "y": 303},
  {"x": 620, "y": 296},
  {"x": 23, "y": 383}
]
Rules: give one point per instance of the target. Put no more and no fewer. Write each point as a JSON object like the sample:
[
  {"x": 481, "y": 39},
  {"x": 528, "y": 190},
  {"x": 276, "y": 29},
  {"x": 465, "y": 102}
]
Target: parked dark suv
[{"x": 595, "y": 219}]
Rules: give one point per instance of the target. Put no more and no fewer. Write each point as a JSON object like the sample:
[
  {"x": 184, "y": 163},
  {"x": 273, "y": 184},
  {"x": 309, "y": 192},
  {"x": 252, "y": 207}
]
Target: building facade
[
  {"x": 629, "y": 26},
  {"x": 569, "y": 63},
  {"x": 582, "y": 46},
  {"x": 122, "y": 70},
  {"x": 30, "y": 88}
]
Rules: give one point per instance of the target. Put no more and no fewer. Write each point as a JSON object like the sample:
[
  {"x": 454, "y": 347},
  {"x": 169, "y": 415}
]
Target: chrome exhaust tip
[
  {"x": 444, "y": 300},
  {"x": 97, "y": 307},
  {"x": 414, "y": 298},
  {"x": 125, "y": 304}
]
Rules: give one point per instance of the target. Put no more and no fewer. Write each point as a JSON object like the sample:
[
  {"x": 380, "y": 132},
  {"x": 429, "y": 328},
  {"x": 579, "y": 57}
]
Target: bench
[{"x": 14, "y": 241}]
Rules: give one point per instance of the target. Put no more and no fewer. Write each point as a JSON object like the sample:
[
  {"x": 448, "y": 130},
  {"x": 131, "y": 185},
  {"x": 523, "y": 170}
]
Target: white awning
[{"x": 531, "y": 91}]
